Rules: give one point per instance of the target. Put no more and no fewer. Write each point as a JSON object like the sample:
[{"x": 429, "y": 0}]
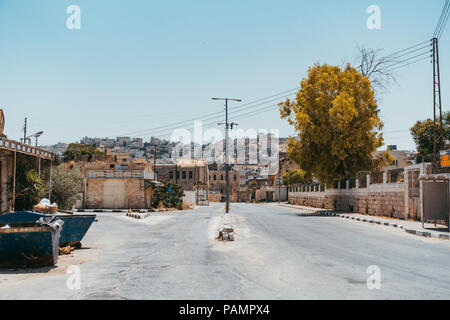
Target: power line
[
  {"x": 208, "y": 116},
  {"x": 406, "y": 60},
  {"x": 178, "y": 124},
  {"x": 394, "y": 55},
  {"x": 216, "y": 115},
  {"x": 238, "y": 117},
  {"x": 445, "y": 23},
  {"x": 407, "y": 64},
  {"x": 442, "y": 20}
]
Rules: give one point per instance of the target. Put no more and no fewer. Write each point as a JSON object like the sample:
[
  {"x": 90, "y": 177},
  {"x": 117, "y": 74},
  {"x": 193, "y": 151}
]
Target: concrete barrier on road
[
  {"x": 138, "y": 215},
  {"x": 226, "y": 230},
  {"x": 114, "y": 210}
]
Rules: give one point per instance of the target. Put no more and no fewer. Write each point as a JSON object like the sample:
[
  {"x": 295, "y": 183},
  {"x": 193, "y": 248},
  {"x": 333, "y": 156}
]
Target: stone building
[
  {"x": 217, "y": 183},
  {"x": 118, "y": 184},
  {"x": 192, "y": 176}
]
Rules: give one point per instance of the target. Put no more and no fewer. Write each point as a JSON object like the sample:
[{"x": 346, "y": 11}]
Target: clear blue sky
[{"x": 136, "y": 65}]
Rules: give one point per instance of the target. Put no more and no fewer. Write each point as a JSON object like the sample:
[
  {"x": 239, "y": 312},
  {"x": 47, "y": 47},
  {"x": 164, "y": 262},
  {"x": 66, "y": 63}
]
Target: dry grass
[{"x": 187, "y": 206}]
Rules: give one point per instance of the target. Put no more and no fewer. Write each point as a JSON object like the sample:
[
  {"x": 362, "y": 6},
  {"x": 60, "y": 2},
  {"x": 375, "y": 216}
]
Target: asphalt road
[{"x": 279, "y": 253}]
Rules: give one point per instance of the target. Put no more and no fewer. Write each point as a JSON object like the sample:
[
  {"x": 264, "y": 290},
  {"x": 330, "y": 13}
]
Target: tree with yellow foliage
[{"x": 336, "y": 118}]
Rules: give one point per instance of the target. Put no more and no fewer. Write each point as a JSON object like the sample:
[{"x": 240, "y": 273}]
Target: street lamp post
[
  {"x": 36, "y": 135},
  {"x": 227, "y": 127}
]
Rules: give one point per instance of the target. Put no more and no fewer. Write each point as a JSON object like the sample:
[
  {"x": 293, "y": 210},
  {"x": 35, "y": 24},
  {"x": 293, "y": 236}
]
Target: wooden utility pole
[
  {"x": 25, "y": 132},
  {"x": 154, "y": 162},
  {"x": 13, "y": 200},
  {"x": 50, "y": 182}
]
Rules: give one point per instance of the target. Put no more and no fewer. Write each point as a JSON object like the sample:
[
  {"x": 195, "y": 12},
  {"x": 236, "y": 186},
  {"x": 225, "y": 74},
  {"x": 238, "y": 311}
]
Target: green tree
[
  {"x": 336, "y": 118},
  {"x": 172, "y": 199},
  {"x": 66, "y": 184},
  {"x": 29, "y": 187},
  {"x": 422, "y": 133},
  {"x": 295, "y": 177},
  {"x": 76, "y": 150}
]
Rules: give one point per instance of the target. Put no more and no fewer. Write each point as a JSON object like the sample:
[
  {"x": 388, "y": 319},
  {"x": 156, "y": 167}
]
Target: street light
[
  {"x": 36, "y": 135},
  {"x": 227, "y": 127}
]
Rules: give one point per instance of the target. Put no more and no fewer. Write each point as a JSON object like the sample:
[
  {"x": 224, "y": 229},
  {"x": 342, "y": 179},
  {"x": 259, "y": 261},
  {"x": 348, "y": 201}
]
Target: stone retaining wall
[{"x": 379, "y": 199}]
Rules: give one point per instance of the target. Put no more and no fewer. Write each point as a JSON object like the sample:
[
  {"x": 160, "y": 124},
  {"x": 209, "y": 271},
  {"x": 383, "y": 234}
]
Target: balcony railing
[
  {"x": 119, "y": 174},
  {"x": 12, "y": 145}
]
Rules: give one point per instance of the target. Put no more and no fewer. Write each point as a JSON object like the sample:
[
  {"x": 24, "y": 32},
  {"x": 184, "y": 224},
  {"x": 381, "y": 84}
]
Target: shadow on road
[
  {"x": 311, "y": 215},
  {"x": 437, "y": 229},
  {"x": 27, "y": 270}
]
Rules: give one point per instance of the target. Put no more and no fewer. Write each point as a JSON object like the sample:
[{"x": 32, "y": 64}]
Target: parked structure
[{"x": 10, "y": 153}]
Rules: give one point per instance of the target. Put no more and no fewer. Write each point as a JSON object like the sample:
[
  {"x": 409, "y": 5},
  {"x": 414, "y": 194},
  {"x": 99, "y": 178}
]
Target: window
[
  {"x": 221, "y": 177},
  {"x": 184, "y": 175},
  {"x": 170, "y": 174},
  {"x": 178, "y": 174},
  {"x": 215, "y": 177},
  {"x": 111, "y": 166},
  {"x": 234, "y": 177},
  {"x": 190, "y": 175}
]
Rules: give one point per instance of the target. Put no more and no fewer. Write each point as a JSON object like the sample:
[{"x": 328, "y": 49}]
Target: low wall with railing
[
  {"x": 12, "y": 145},
  {"x": 393, "y": 193},
  {"x": 377, "y": 199},
  {"x": 119, "y": 174}
]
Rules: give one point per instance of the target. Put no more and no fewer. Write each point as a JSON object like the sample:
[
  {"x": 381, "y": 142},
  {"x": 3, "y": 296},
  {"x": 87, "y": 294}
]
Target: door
[
  {"x": 114, "y": 194},
  {"x": 435, "y": 200}
]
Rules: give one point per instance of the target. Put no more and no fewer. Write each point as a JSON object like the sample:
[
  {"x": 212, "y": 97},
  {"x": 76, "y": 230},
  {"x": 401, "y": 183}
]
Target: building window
[
  {"x": 215, "y": 177},
  {"x": 170, "y": 174},
  {"x": 234, "y": 177},
  {"x": 184, "y": 175},
  {"x": 190, "y": 175},
  {"x": 221, "y": 177}
]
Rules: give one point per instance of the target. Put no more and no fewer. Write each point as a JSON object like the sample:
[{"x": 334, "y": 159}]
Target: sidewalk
[{"x": 413, "y": 227}]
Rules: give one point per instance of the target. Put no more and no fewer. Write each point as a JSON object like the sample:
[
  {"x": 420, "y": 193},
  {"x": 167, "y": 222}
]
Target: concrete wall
[
  {"x": 379, "y": 196},
  {"x": 217, "y": 197},
  {"x": 189, "y": 197},
  {"x": 214, "y": 197}
]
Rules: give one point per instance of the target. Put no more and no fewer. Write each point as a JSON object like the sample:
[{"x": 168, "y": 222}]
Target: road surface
[{"x": 279, "y": 253}]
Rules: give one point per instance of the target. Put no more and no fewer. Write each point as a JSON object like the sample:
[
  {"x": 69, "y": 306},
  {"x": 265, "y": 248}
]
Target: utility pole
[
  {"x": 25, "y": 132},
  {"x": 437, "y": 104},
  {"x": 154, "y": 163},
  {"x": 227, "y": 127}
]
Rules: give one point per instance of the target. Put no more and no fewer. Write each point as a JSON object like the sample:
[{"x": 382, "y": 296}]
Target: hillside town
[
  {"x": 133, "y": 160},
  {"x": 225, "y": 154}
]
